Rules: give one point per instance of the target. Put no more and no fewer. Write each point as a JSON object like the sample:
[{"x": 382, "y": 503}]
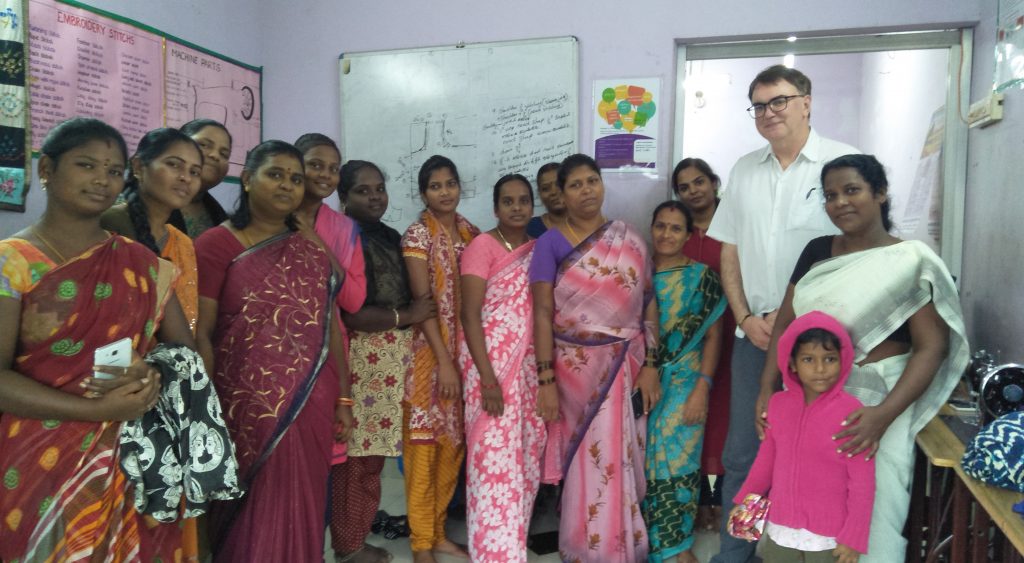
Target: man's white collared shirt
[{"x": 770, "y": 214}]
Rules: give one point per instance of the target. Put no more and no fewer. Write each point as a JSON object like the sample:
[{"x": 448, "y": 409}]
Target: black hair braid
[
  {"x": 137, "y": 213},
  {"x": 242, "y": 216}
]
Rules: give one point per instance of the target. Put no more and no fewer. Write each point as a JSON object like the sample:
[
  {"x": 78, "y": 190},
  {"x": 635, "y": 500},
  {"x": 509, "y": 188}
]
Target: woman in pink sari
[
  {"x": 322, "y": 160},
  {"x": 266, "y": 330},
  {"x": 595, "y": 333},
  {"x": 504, "y": 434}
]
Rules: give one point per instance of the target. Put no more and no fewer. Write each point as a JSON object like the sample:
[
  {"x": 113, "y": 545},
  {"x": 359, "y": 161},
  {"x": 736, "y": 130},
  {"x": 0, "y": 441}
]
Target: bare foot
[
  {"x": 425, "y": 556},
  {"x": 448, "y": 547}
]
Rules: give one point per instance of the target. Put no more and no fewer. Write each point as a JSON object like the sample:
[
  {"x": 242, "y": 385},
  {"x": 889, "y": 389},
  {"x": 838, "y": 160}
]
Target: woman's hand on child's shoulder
[
  {"x": 864, "y": 429},
  {"x": 845, "y": 554}
]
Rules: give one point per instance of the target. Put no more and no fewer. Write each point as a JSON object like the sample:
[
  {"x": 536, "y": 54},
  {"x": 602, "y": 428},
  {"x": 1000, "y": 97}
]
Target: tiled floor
[{"x": 393, "y": 502}]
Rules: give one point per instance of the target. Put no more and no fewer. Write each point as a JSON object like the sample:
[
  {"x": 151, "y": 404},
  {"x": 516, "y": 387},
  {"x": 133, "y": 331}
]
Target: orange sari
[{"x": 180, "y": 251}]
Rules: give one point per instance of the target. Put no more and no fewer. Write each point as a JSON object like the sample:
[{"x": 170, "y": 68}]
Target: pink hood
[{"x": 815, "y": 319}]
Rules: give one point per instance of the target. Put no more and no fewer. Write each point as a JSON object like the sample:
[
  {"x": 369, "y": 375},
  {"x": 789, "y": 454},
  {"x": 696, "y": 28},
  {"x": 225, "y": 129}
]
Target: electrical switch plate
[{"x": 985, "y": 112}]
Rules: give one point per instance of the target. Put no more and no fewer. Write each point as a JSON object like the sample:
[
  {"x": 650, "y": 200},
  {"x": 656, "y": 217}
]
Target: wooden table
[{"x": 955, "y": 515}]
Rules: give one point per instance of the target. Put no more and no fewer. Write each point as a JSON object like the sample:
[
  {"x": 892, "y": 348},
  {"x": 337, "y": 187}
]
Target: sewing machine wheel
[{"x": 1002, "y": 391}]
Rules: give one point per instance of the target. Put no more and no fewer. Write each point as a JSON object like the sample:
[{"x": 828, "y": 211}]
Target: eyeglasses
[{"x": 777, "y": 104}]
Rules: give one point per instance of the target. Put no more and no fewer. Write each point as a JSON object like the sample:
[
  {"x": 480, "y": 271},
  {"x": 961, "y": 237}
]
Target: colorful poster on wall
[
  {"x": 1010, "y": 45},
  {"x": 202, "y": 86},
  {"x": 625, "y": 124},
  {"x": 86, "y": 64},
  {"x": 15, "y": 160},
  {"x": 920, "y": 217}
]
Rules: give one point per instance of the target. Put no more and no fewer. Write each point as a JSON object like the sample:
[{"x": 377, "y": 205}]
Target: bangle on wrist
[
  {"x": 707, "y": 379},
  {"x": 345, "y": 402},
  {"x": 745, "y": 318},
  {"x": 650, "y": 363},
  {"x": 489, "y": 386},
  {"x": 544, "y": 366},
  {"x": 547, "y": 381},
  {"x": 398, "y": 322}
]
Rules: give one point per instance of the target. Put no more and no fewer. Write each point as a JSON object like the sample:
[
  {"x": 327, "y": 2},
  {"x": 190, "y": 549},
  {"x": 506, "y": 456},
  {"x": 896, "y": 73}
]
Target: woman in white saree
[{"x": 898, "y": 302}]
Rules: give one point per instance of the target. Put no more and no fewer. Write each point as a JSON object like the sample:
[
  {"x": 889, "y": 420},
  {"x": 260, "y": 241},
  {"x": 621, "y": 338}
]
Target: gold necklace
[
  {"x": 503, "y": 239},
  {"x": 568, "y": 223},
  {"x": 39, "y": 236}
]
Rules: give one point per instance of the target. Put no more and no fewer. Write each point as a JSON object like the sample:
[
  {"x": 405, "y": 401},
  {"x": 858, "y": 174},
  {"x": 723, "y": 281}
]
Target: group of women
[
  {"x": 557, "y": 348},
  {"x": 585, "y": 359}
]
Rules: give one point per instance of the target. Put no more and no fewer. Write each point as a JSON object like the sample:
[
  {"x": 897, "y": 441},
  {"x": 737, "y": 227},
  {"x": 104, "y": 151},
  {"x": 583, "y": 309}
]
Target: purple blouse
[{"x": 552, "y": 247}]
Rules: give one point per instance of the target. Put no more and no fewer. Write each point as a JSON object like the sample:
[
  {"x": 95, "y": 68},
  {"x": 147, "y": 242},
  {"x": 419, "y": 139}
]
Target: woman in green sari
[{"x": 690, "y": 305}]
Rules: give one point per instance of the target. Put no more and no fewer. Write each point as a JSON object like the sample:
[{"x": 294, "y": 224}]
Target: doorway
[{"x": 898, "y": 96}]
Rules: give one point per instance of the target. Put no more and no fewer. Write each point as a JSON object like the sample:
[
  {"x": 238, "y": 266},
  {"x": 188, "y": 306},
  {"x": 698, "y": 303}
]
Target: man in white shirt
[{"x": 770, "y": 210}]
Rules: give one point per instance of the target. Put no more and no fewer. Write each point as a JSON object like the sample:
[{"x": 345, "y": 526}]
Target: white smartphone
[{"x": 116, "y": 354}]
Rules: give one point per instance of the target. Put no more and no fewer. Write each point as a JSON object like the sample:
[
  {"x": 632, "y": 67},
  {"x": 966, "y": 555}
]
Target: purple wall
[
  {"x": 992, "y": 292},
  {"x": 617, "y": 40},
  {"x": 298, "y": 42}
]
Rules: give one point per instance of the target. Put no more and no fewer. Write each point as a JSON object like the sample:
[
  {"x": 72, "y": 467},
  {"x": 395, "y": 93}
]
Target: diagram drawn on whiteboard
[{"x": 451, "y": 136}]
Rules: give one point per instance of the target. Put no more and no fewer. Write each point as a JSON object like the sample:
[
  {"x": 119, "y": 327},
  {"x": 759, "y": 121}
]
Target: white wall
[{"x": 993, "y": 290}]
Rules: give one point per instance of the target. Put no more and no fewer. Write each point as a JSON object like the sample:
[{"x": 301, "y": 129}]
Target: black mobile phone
[{"x": 638, "y": 403}]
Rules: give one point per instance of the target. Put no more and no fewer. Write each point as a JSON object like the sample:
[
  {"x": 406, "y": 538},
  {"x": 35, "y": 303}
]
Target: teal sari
[{"x": 690, "y": 300}]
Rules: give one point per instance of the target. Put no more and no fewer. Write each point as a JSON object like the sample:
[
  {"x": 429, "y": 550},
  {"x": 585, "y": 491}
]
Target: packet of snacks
[{"x": 747, "y": 521}]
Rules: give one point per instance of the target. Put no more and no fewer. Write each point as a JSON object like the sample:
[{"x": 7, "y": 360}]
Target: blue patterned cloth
[{"x": 996, "y": 455}]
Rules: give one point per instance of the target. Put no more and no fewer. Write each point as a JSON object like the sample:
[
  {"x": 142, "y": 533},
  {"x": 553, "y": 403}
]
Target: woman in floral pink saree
[
  {"x": 594, "y": 326},
  {"x": 504, "y": 434}
]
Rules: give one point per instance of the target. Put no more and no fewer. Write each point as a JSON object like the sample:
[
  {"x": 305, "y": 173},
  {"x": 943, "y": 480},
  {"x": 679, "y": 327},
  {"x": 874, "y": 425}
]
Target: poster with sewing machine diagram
[
  {"x": 453, "y": 136},
  {"x": 199, "y": 85}
]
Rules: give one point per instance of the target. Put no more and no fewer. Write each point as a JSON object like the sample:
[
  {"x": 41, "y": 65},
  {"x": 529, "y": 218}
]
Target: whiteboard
[{"x": 493, "y": 108}]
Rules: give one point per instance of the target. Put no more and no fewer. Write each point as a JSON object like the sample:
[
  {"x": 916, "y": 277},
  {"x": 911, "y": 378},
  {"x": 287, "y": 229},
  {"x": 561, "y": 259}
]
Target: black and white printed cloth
[{"x": 181, "y": 446}]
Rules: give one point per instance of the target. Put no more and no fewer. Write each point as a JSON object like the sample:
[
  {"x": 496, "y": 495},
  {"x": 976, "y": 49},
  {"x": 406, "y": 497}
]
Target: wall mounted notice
[
  {"x": 15, "y": 161},
  {"x": 85, "y": 64},
  {"x": 198, "y": 85},
  {"x": 97, "y": 64},
  {"x": 625, "y": 126}
]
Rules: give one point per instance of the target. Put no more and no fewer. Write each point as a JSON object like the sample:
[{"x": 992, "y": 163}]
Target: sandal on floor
[
  {"x": 396, "y": 527},
  {"x": 380, "y": 520}
]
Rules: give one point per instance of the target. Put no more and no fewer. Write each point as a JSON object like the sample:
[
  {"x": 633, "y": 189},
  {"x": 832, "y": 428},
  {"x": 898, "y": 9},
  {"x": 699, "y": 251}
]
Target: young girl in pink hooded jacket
[{"x": 821, "y": 500}]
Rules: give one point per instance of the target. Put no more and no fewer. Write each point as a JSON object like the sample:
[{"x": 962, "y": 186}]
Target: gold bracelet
[
  {"x": 345, "y": 402},
  {"x": 650, "y": 363},
  {"x": 544, "y": 365},
  {"x": 397, "y": 321}
]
